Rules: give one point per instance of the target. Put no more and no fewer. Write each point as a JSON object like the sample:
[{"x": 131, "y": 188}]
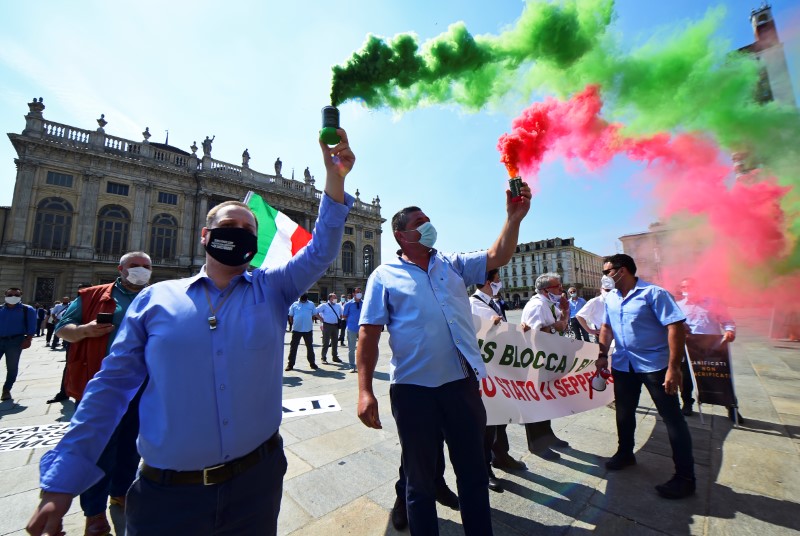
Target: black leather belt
[
  {"x": 212, "y": 475},
  {"x": 330, "y": 323}
]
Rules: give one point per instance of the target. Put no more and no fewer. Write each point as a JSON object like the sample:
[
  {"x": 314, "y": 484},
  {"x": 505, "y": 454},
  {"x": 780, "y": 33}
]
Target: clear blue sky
[{"x": 256, "y": 73}]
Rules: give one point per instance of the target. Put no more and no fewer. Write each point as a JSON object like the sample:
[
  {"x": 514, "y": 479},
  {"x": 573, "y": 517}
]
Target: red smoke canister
[{"x": 515, "y": 184}]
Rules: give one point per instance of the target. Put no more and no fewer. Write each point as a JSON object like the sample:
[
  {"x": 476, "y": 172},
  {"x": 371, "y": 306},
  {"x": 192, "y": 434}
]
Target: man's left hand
[
  {"x": 518, "y": 209},
  {"x": 673, "y": 380}
]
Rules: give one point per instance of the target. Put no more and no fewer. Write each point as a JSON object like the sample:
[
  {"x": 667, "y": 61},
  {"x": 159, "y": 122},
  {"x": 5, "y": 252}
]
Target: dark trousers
[
  {"x": 49, "y": 329},
  {"x": 329, "y": 334},
  {"x": 686, "y": 387},
  {"x": 540, "y": 435},
  {"x": 11, "y": 348},
  {"x": 308, "y": 338},
  {"x": 342, "y": 330},
  {"x": 577, "y": 329},
  {"x": 627, "y": 388},
  {"x": 39, "y": 329},
  {"x": 423, "y": 414},
  {"x": 119, "y": 461},
  {"x": 245, "y": 505},
  {"x": 495, "y": 443},
  {"x": 400, "y": 485}
]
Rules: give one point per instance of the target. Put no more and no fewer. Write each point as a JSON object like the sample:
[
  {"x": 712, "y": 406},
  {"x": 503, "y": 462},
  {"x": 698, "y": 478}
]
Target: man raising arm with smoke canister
[{"x": 421, "y": 297}]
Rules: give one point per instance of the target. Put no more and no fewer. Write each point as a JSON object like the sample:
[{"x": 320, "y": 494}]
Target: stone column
[
  {"x": 86, "y": 216},
  {"x": 141, "y": 212},
  {"x": 22, "y": 208},
  {"x": 186, "y": 233},
  {"x": 200, "y": 222},
  {"x": 358, "y": 257}
]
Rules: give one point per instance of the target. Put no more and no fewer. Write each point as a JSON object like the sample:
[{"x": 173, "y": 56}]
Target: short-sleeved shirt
[
  {"x": 302, "y": 314},
  {"x": 331, "y": 313},
  {"x": 352, "y": 310},
  {"x": 593, "y": 312},
  {"x": 481, "y": 306},
  {"x": 540, "y": 312},
  {"x": 639, "y": 323},
  {"x": 17, "y": 320},
  {"x": 706, "y": 317},
  {"x": 428, "y": 316},
  {"x": 122, "y": 297},
  {"x": 575, "y": 306}
]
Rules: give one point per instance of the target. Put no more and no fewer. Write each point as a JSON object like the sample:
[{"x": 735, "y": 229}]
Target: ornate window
[
  {"x": 348, "y": 249},
  {"x": 59, "y": 179},
  {"x": 113, "y": 224},
  {"x": 163, "y": 237},
  {"x": 369, "y": 260},
  {"x": 53, "y": 224}
]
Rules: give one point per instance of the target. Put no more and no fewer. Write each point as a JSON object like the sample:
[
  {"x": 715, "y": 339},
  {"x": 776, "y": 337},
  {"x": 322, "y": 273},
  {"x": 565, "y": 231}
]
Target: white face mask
[
  {"x": 496, "y": 288},
  {"x": 139, "y": 276},
  {"x": 555, "y": 298},
  {"x": 573, "y": 294},
  {"x": 13, "y": 300},
  {"x": 359, "y": 295},
  {"x": 685, "y": 294}
]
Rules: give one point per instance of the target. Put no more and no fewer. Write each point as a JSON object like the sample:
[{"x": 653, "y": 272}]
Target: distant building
[
  {"x": 82, "y": 198},
  {"x": 576, "y": 266}
]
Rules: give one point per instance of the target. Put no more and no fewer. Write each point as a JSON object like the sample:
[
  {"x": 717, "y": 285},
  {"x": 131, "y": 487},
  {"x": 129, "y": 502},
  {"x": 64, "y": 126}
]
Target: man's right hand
[
  {"x": 93, "y": 329},
  {"x": 368, "y": 410},
  {"x": 601, "y": 363},
  {"x": 48, "y": 517}
]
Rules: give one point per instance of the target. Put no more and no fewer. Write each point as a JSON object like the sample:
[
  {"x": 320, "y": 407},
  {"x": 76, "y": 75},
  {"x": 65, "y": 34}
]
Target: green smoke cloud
[{"x": 470, "y": 70}]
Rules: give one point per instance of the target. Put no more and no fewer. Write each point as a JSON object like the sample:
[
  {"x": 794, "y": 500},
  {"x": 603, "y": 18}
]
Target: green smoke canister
[{"x": 330, "y": 122}]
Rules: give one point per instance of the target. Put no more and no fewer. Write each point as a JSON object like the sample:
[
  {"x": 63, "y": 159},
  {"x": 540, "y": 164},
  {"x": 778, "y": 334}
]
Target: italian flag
[{"x": 279, "y": 238}]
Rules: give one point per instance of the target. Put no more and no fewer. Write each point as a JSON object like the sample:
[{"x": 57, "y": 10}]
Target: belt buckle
[{"x": 207, "y": 470}]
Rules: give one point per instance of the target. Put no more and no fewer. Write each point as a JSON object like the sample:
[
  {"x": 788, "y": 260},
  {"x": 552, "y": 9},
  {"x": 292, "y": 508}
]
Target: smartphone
[{"x": 105, "y": 318}]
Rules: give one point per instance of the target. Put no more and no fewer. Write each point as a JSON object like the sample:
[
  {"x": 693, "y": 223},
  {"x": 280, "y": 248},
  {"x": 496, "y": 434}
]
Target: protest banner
[
  {"x": 535, "y": 376},
  {"x": 711, "y": 362}
]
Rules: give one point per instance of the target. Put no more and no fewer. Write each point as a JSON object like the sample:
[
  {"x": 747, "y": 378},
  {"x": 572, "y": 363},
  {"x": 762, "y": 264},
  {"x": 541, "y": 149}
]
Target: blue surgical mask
[{"x": 427, "y": 234}]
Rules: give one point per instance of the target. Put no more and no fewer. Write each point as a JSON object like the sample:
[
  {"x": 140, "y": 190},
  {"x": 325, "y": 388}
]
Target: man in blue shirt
[
  {"x": 17, "y": 326},
  {"x": 421, "y": 297},
  {"x": 212, "y": 458},
  {"x": 351, "y": 314},
  {"x": 301, "y": 314},
  {"x": 330, "y": 313},
  {"x": 648, "y": 329},
  {"x": 576, "y": 303}
]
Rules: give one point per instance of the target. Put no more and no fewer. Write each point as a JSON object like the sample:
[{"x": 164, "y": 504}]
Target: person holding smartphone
[{"x": 90, "y": 324}]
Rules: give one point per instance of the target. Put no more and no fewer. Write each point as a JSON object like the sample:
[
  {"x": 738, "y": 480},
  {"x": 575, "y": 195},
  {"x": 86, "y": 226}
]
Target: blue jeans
[
  {"x": 11, "y": 348},
  {"x": 352, "y": 340},
  {"x": 627, "y": 388},
  {"x": 423, "y": 414},
  {"x": 245, "y": 505},
  {"x": 119, "y": 461}
]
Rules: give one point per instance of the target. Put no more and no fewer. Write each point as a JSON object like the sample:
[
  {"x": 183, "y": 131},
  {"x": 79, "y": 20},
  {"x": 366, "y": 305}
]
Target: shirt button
[
  {"x": 219, "y": 352},
  {"x": 222, "y": 387},
  {"x": 225, "y": 422},
  {"x": 458, "y": 341}
]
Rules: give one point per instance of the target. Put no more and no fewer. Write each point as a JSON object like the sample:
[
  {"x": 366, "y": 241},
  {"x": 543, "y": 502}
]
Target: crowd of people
[{"x": 187, "y": 366}]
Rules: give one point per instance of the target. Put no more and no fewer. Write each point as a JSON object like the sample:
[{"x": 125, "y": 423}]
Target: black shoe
[
  {"x": 494, "y": 483},
  {"x": 548, "y": 454},
  {"x": 336, "y": 360},
  {"x": 507, "y": 463},
  {"x": 353, "y": 370},
  {"x": 678, "y": 487},
  {"x": 60, "y": 397},
  {"x": 618, "y": 461},
  {"x": 560, "y": 443},
  {"x": 312, "y": 366},
  {"x": 399, "y": 514},
  {"x": 324, "y": 361},
  {"x": 446, "y": 497},
  {"x": 288, "y": 368},
  {"x": 687, "y": 409}
]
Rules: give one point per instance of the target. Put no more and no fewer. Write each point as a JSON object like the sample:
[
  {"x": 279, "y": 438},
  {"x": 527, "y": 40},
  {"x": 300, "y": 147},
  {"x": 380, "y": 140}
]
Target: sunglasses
[
  {"x": 607, "y": 272},
  {"x": 13, "y": 295}
]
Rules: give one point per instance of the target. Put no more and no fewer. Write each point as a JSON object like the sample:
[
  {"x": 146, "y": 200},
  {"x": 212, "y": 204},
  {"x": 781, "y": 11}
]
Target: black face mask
[{"x": 232, "y": 246}]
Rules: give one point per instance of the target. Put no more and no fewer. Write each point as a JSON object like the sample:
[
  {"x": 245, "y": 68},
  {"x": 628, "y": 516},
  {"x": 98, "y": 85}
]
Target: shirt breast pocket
[{"x": 256, "y": 327}]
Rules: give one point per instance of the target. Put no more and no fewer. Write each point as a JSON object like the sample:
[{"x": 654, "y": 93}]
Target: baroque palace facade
[{"x": 82, "y": 198}]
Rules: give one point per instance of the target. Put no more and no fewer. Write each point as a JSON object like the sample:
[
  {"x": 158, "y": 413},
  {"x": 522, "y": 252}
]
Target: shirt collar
[
  {"x": 482, "y": 294},
  {"x": 248, "y": 276},
  {"x": 119, "y": 286}
]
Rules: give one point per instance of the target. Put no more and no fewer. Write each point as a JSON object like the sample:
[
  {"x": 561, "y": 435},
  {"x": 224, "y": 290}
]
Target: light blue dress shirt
[
  {"x": 213, "y": 395},
  {"x": 706, "y": 316},
  {"x": 575, "y": 306},
  {"x": 639, "y": 323},
  {"x": 352, "y": 310},
  {"x": 302, "y": 314},
  {"x": 428, "y": 316}
]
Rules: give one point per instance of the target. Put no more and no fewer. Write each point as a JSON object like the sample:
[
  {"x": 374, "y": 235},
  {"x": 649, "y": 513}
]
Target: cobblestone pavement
[{"x": 341, "y": 475}]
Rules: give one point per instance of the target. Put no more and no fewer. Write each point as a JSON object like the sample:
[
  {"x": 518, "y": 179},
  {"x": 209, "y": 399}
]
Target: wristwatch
[{"x": 552, "y": 329}]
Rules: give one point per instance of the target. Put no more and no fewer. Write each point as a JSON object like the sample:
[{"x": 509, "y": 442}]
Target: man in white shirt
[
  {"x": 591, "y": 315},
  {"x": 495, "y": 440},
  {"x": 330, "y": 313},
  {"x": 547, "y": 311}
]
